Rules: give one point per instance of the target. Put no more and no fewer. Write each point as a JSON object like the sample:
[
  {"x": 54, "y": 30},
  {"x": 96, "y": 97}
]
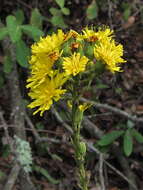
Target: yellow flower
[
  {"x": 89, "y": 34},
  {"x": 44, "y": 54},
  {"x": 101, "y": 35},
  {"x": 49, "y": 44},
  {"x": 47, "y": 92},
  {"x": 110, "y": 53},
  {"x": 71, "y": 34},
  {"x": 39, "y": 71},
  {"x": 104, "y": 35},
  {"x": 74, "y": 64},
  {"x": 84, "y": 106}
]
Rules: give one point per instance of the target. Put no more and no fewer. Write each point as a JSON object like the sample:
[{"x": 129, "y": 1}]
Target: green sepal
[
  {"x": 99, "y": 67},
  {"x": 89, "y": 50},
  {"x": 66, "y": 48},
  {"x": 78, "y": 117}
]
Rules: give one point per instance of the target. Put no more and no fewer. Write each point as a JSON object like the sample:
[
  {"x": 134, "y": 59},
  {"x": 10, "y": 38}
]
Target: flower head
[
  {"x": 84, "y": 106},
  {"x": 48, "y": 44},
  {"x": 110, "y": 53},
  {"x": 89, "y": 34},
  {"x": 74, "y": 64},
  {"x": 60, "y": 56},
  {"x": 46, "y": 93},
  {"x": 93, "y": 36}
]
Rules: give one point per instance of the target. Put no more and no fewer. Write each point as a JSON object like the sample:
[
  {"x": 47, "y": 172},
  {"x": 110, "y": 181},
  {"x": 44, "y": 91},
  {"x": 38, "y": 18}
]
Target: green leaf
[
  {"x": 130, "y": 124},
  {"x": 138, "y": 136},
  {"x": 19, "y": 16},
  {"x": 128, "y": 143},
  {"x": 3, "y": 33},
  {"x": 65, "y": 11},
  {"x": 125, "y": 5},
  {"x": 32, "y": 31},
  {"x": 99, "y": 67},
  {"x": 61, "y": 3},
  {"x": 22, "y": 53},
  {"x": 45, "y": 173},
  {"x": 14, "y": 29},
  {"x": 56, "y": 157},
  {"x": 36, "y": 18},
  {"x": 55, "y": 11},
  {"x": 110, "y": 138},
  {"x": 92, "y": 11},
  {"x": 58, "y": 21},
  {"x": 8, "y": 64},
  {"x": 101, "y": 86},
  {"x": 127, "y": 13}
]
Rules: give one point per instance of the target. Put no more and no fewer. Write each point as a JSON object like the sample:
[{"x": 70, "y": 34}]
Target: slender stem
[{"x": 79, "y": 146}]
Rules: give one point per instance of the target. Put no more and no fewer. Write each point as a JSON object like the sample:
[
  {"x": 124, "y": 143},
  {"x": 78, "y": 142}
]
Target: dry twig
[
  {"x": 115, "y": 110},
  {"x": 12, "y": 177}
]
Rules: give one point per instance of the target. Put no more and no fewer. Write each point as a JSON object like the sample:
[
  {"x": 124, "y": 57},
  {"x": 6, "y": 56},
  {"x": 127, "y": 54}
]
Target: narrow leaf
[
  {"x": 128, "y": 143},
  {"x": 45, "y": 173},
  {"x": 3, "y": 33},
  {"x": 101, "y": 86},
  {"x": 14, "y": 29},
  {"x": 22, "y": 53},
  {"x": 127, "y": 13},
  {"x": 110, "y": 138},
  {"x": 137, "y": 135}
]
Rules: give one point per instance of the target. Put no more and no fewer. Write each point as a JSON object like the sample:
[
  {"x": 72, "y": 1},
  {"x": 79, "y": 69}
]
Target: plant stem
[{"x": 79, "y": 146}]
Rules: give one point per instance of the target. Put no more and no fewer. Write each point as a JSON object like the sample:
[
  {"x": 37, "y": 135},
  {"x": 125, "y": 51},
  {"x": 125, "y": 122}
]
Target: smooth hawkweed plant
[{"x": 59, "y": 64}]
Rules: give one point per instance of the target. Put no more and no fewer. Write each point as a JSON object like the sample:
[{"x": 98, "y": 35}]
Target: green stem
[{"x": 79, "y": 146}]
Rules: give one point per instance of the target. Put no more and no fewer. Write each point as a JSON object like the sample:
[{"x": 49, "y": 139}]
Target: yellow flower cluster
[{"x": 60, "y": 56}]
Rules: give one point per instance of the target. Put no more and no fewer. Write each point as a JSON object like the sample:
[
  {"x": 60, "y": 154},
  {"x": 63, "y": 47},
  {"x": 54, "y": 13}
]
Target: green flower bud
[
  {"x": 78, "y": 117},
  {"x": 66, "y": 47},
  {"x": 89, "y": 51},
  {"x": 82, "y": 148}
]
